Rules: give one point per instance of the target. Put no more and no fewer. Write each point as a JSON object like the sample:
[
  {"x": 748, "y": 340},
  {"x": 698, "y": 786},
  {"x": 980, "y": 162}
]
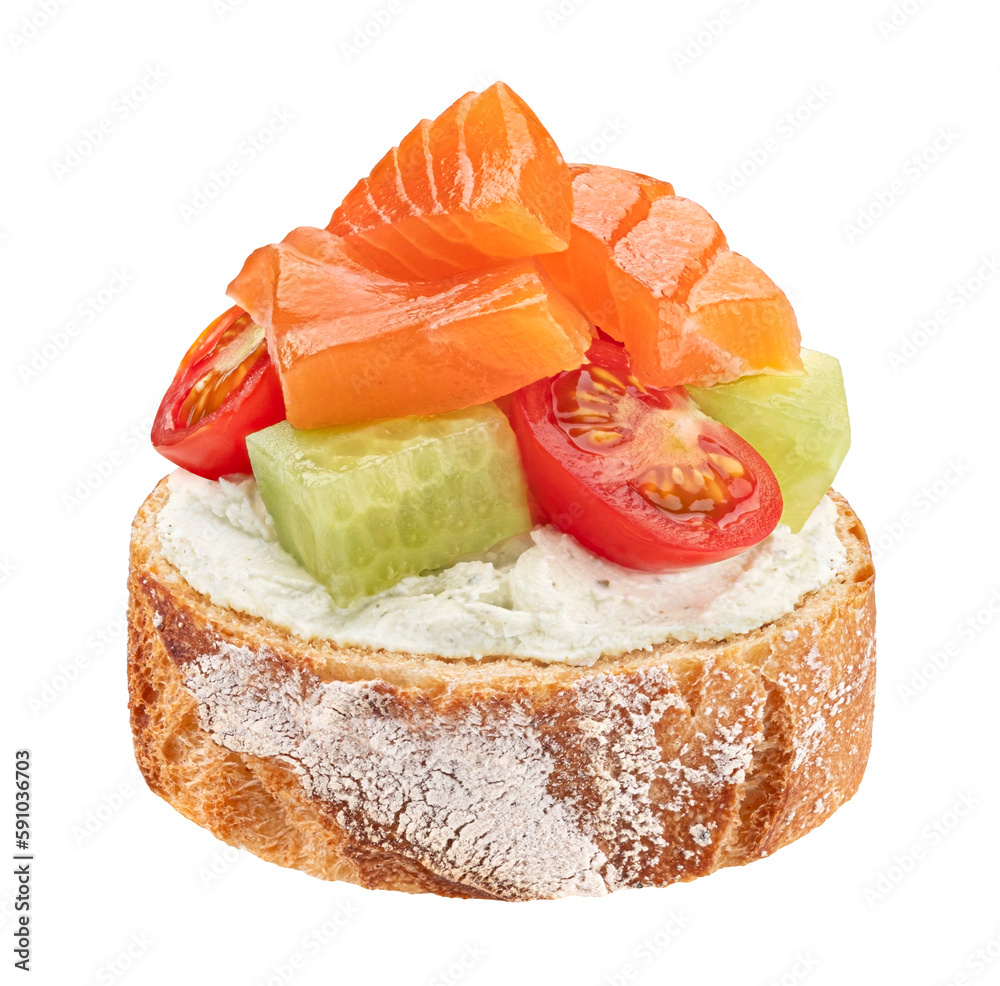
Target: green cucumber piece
[
  {"x": 363, "y": 506},
  {"x": 799, "y": 424}
]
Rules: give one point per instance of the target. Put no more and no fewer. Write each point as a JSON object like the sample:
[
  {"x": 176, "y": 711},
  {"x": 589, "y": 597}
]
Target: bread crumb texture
[{"x": 503, "y": 778}]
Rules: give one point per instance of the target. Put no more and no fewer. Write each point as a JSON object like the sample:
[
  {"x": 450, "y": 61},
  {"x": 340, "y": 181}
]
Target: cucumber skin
[
  {"x": 363, "y": 506},
  {"x": 805, "y": 450}
]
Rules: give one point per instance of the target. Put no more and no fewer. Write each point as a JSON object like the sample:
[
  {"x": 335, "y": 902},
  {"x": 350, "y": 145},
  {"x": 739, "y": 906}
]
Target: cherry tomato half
[
  {"x": 225, "y": 388},
  {"x": 639, "y": 475}
]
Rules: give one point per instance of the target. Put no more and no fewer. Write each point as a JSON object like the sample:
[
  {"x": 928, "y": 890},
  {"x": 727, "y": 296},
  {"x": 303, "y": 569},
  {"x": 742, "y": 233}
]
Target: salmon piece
[
  {"x": 405, "y": 170},
  {"x": 367, "y": 211},
  {"x": 653, "y": 270},
  {"x": 416, "y": 171},
  {"x": 738, "y": 322},
  {"x": 608, "y": 203},
  {"x": 650, "y": 272},
  {"x": 690, "y": 310},
  {"x": 352, "y": 344},
  {"x": 453, "y": 180},
  {"x": 400, "y": 187},
  {"x": 483, "y": 182}
]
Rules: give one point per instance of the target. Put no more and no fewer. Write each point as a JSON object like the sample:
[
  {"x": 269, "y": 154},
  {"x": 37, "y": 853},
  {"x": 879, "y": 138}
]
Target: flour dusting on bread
[{"x": 468, "y": 796}]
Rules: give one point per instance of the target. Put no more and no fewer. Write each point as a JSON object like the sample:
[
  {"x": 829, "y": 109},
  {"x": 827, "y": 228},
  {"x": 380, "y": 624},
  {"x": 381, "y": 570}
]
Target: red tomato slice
[
  {"x": 225, "y": 389},
  {"x": 638, "y": 474}
]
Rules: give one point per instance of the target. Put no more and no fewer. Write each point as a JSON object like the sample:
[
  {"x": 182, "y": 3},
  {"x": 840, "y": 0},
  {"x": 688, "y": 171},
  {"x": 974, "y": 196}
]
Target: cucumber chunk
[
  {"x": 363, "y": 506},
  {"x": 799, "y": 424}
]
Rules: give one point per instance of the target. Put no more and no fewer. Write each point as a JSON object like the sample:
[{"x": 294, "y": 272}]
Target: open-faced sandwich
[{"x": 502, "y": 560}]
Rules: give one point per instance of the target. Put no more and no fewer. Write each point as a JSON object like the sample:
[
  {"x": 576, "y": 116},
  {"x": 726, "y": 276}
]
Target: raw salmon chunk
[
  {"x": 483, "y": 182},
  {"x": 607, "y": 204},
  {"x": 738, "y": 322},
  {"x": 691, "y": 311},
  {"x": 352, "y": 344},
  {"x": 653, "y": 270}
]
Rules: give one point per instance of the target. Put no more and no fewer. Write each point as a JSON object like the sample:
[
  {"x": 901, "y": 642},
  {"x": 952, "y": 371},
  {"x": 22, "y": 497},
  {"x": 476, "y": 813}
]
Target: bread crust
[{"x": 500, "y": 778}]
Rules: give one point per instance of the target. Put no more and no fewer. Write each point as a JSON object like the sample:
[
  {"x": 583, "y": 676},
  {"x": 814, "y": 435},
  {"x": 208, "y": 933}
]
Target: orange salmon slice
[
  {"x": 692, "y": 311},
  {"x": 483, "y": 182},
  {"x": 738, "y": 322},
  {"x": 653, "y": 270},
  {"x": 607, "y": 204},
  {"x": 352, "y": 344}
]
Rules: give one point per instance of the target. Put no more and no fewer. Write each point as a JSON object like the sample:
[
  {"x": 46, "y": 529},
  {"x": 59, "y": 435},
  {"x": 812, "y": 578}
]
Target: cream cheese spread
[{"x": 541, "y": 596}]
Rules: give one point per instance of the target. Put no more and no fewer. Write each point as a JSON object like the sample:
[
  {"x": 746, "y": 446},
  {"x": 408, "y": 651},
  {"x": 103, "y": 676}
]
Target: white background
[{"x": 900, "y": 885}]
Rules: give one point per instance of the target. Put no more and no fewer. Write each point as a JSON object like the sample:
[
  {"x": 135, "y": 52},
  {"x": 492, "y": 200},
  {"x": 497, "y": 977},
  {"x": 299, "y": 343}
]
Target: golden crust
[{"x": 371, "y": 766}]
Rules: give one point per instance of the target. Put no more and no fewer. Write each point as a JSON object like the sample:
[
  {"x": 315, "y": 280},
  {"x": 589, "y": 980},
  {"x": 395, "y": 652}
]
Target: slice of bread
[{"x": 500, "y": 778}]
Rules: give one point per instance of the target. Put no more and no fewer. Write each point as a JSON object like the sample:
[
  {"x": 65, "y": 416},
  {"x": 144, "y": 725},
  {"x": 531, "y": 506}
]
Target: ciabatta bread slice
[{"x": 501, "y": 778}]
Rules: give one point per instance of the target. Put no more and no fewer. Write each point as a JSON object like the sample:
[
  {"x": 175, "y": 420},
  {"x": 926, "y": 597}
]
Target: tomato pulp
[
  {"x": 638, "y": 474},
  {"x": 225, "y": 388}
]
